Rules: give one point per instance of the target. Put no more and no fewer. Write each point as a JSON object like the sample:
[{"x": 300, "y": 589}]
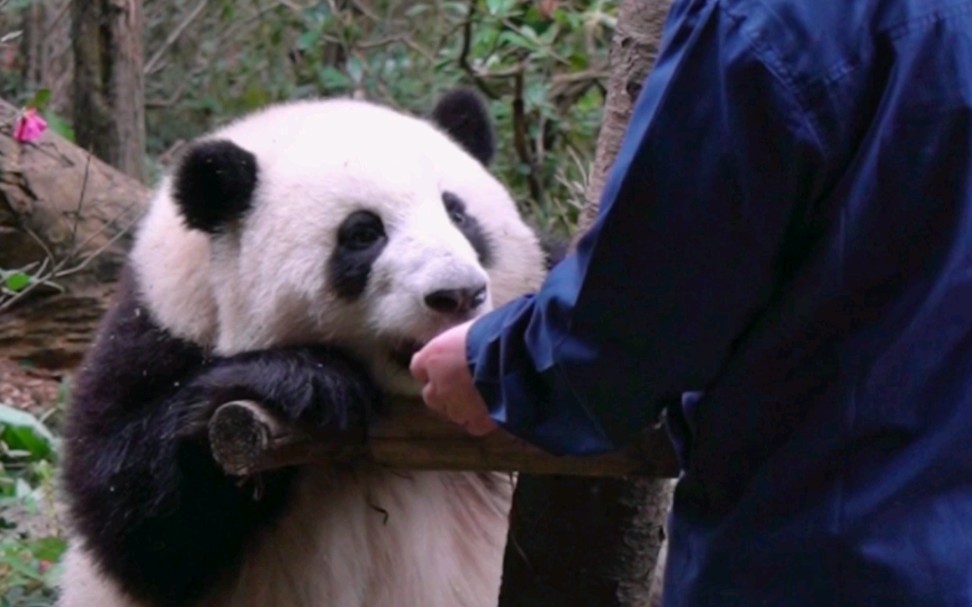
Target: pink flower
[{"x": 30, "y": 126}]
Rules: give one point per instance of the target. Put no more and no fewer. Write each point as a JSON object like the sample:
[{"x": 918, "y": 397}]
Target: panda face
[
  {"x": 400, "y": 282},
  {"x": 333, "y": 221},
  {"x": 399, "y": 273}
]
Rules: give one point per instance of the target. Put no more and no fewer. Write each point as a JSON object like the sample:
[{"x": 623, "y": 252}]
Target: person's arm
[{"x": 720, "y": 162}]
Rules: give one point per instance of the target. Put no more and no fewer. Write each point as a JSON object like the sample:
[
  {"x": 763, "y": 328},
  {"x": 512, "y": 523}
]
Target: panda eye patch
[
  {"x": 469, "y": 226},
  {"x": 361, "y": 230},
  {"x": 455, "y": 208}
]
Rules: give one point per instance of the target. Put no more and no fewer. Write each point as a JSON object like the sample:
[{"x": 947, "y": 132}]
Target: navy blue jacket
[{"x": 787, "y": 232}]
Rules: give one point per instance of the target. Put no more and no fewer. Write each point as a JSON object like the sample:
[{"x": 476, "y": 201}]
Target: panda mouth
[{"x": 401, "y": 354}]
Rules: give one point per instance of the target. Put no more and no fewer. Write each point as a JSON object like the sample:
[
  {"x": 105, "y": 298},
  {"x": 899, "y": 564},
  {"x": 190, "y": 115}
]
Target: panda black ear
[
  {"x": 463, "y": 115},
  {"x": 214, "y": 184}
]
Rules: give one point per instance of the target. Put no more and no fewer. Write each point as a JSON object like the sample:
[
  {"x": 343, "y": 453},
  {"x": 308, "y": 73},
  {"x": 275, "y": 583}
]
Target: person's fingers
[
  {"x": 448, "y": 387},
  {"x": 459, "y": 412},
  {"x": 418, "y": 367},
  {"x": 481, "y": 426},
  {"x": 430, "y": 396}
]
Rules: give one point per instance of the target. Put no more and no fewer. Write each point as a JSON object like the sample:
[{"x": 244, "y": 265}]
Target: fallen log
[
  {"x": 247, "y": 439},
  {"x": 65, "y": 217}
]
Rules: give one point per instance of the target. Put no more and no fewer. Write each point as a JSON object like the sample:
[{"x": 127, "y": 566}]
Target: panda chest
[{"x": 380, "y": 539}]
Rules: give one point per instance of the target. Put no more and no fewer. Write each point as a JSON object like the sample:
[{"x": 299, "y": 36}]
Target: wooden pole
[{"x": 246, "y": 439}]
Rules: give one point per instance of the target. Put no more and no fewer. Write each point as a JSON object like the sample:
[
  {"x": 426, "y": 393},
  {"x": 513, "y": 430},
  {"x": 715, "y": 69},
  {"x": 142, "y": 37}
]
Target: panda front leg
[{"x": 150, "y": 506}]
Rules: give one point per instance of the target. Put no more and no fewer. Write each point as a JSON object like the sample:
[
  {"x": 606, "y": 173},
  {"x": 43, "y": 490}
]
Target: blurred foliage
[
  {"x": 31, "y": 542},
  {"x": 541, "y": 64}
]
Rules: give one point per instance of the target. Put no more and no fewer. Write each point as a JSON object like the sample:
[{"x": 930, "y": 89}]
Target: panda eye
[
  {"x": 363, "y": 237},
  {"x": 455, "y": 208},
  {"x": 360, "y": 231},
  {"x": 457, "y": 217}
]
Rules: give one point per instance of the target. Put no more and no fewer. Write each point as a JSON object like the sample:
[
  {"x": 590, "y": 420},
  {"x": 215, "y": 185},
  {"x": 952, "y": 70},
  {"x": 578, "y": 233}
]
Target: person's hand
[{"x": 448, "y": 386}]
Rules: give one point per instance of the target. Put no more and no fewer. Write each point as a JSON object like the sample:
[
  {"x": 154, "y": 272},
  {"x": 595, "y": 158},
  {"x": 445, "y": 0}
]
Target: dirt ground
[{"x": 30, "y": 389}]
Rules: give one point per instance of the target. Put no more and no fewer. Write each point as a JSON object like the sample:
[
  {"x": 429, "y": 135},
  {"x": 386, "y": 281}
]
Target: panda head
[{"x": 336, "y": 221}]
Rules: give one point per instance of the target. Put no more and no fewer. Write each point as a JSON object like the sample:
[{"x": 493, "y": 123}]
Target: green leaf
[
  {"x": 21, "y": 431},
  {"x": 254, "y": 97},
  {"x": 334, "y": 79},
  {"x": 317, "y": 14},
  {"x": 308, "y": 39},
  {"x": 14, "y": 557},
  {"x": 578, "y": 61},
  {"x": 48, "y": 548},
  {"x": 59, "y": 125},
  {"x": 548, "y": 37},
  {"x": 499, "y": 7},
  {"x": 40, "y": 99},
  {"x": 17, "y": 281},
  {"x": 227, "y": 10},
  {"x": 517, "y": 40}
]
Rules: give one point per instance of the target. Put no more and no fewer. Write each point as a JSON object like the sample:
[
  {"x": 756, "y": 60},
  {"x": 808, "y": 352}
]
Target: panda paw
[{"x": 312, "y": 387}]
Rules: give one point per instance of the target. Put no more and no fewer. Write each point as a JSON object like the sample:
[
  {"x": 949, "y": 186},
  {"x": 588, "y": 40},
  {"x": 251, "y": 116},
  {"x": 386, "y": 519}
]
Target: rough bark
[
  {"x": 64, "y": 208},
  {"x": 632, "y": 55},
  {"x": 109, "y": 96},
  {"x": 576, "y": 541}
]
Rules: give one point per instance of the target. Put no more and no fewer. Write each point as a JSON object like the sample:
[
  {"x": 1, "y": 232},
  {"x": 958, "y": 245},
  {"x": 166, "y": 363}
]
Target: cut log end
[
  {"x": 240, "y": 434},
  {"x": 245, "y": 439}
]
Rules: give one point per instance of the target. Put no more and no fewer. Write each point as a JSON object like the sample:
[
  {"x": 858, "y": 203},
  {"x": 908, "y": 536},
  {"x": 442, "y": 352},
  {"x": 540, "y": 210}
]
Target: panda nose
[{"x": 456, "y": 301}]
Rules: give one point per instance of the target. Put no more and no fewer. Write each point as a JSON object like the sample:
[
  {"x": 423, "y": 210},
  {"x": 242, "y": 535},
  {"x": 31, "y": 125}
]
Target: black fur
[
  {"x": 144, "y": 492},
  {"x": 469, "y": 227},
  {"x": 214, "y": 184},
  {"x": 462, "y": 114},
  {"x": 361, "y": 239}
]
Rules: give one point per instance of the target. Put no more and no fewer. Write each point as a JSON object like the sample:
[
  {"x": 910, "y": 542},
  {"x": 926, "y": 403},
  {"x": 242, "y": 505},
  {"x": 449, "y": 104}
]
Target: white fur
[
  {"x": 442, "y": 546},
  {"x": 265, "y": 283}
]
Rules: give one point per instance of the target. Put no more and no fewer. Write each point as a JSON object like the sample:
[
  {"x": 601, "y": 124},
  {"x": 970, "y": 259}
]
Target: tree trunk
[
  {"x": 46, "y": 50},
  {"x": 577, "y": 541},
  {"x": 632, "y": 56},
  {"x": 109, "y": 96},
  {"x": 69, "y": 214}
]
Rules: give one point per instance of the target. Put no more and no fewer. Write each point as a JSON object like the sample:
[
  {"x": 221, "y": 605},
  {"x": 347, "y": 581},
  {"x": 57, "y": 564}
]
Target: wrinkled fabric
[{"x": 786, "y": 236}]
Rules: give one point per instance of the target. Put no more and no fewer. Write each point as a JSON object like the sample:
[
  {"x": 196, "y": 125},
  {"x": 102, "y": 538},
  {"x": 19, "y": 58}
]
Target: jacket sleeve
[{"x": 719, "y": 165}]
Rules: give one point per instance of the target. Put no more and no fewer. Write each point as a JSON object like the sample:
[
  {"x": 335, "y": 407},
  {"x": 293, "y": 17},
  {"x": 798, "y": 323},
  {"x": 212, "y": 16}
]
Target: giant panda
[{"x": 298, "y": 257}]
